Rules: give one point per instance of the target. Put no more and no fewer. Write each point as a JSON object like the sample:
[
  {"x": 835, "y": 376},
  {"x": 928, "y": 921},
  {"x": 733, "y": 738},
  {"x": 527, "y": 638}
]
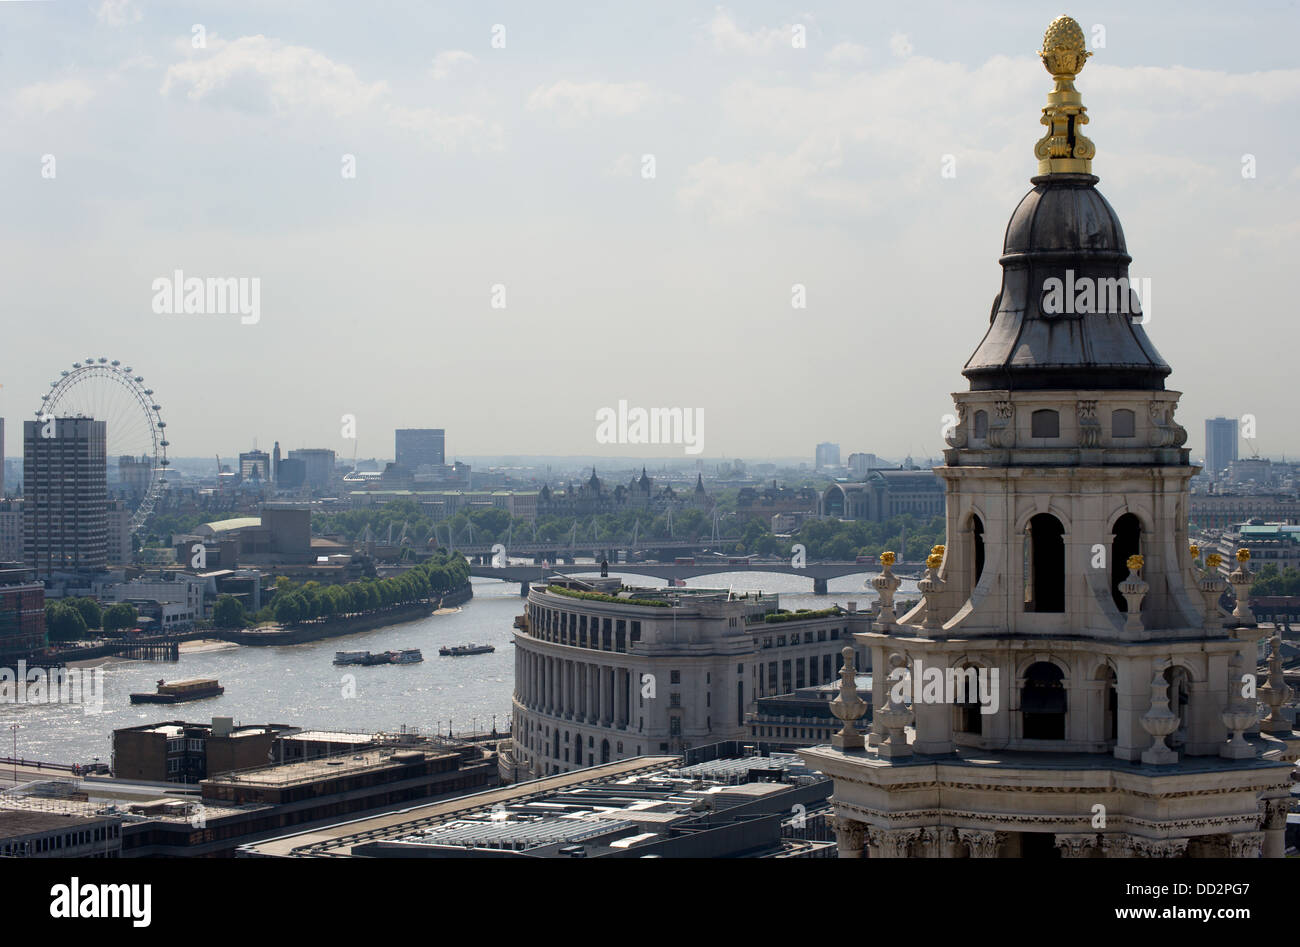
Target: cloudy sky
[{"x": 509, "y": 145}]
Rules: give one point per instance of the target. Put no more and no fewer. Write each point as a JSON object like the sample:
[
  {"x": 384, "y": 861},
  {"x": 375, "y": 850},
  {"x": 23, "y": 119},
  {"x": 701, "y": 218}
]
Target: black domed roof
[
  {"x": 1064, "y": 215},
  {"x": 1064, "y": 234}
]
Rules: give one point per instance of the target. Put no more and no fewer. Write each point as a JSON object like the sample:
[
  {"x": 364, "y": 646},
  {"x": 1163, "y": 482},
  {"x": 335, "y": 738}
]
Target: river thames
[{"x": 299, "y": 686}]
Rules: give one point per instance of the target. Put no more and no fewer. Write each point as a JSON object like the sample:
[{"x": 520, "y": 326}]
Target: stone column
[
  {"x": 1273, "y": 821},
  {"x": 1074, "y": 845},
  {"x": 983, "y": 843},
  {"x": 620, "y": 711},
  {"x": 940, "y": 841},
  {"x": 849, "y": 836},
  {"x": 1117, "y": 846},
  {"x": 1245, "y": 844},
  {"x": 893, "y": 843}
]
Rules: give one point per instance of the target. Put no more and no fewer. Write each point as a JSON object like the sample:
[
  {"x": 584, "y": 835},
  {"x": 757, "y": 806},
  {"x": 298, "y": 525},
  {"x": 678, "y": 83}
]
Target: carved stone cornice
[{"x": 1159, "y": 847}]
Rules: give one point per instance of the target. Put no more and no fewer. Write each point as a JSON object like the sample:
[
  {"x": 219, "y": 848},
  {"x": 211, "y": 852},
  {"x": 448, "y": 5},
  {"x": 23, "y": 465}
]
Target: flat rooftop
[
  {"x": 326, "y": 767},
  {"x": 16, "y": 822},
  {"x": 640, "y": 799}
]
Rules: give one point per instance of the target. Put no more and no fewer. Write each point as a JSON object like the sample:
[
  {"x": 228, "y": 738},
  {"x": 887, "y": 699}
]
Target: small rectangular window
[{"x": 1045, "y": 423}]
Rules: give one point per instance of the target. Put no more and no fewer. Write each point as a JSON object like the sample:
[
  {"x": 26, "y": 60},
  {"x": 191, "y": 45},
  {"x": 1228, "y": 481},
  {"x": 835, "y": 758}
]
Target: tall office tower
[
  {"x": 862, "y": 464},
  {"x": 1220, "y": 446},
  {"x": 65, "y": 494},
  {"x": 828, "y": 455},
  {"x": 255, "y": 465},
  {"x": 134, "y": 474},
  {"x": 420, "y": 447},
  {"x": 318, "y": 465},
  {"x": 1068, "y": 686},
  {"x": 275, "y": 463}
]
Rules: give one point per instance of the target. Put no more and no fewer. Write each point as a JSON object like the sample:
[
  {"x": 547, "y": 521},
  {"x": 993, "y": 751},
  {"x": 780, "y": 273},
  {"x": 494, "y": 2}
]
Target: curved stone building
[
  {"x": 604, "y": 673},
  {"x": 1114, "y": 710}
]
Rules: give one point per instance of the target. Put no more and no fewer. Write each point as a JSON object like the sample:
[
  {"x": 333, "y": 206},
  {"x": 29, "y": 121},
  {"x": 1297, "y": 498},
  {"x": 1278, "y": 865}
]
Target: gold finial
[
  {"x": 1064, "y": 149},
  {"x": 1135, "y": 563}
]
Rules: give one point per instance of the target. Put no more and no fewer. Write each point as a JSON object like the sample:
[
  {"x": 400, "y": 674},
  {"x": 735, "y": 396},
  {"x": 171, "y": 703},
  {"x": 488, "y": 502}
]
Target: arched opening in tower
[
  {"x": 1179, "y": 693},
  {"x": 1045, "y": 564},
  {"x": 966, "y": 709},
  {"x": 1126, "y": 541},
  {"x": 1110, "y": 703},
  {"x": 977, "y": 549},
  {"x": 1043, "y": 702}
]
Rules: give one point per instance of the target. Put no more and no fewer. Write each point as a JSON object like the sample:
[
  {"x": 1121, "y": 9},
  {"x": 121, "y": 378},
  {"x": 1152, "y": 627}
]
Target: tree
[
  {"x": 288, "y": 609},
  {"x": 63, "y": 622},
  {"x": 90, "y": 611},
  {"x": 119, "y": 616},
  {"x": 228, "y": 612}
]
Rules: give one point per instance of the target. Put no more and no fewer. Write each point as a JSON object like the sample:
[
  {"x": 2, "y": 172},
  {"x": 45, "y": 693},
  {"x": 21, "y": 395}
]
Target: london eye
[{"x": 136, "y": 434}]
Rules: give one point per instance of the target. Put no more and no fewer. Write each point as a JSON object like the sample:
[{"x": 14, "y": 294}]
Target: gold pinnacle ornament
[{"x": 1064, "y": 149}]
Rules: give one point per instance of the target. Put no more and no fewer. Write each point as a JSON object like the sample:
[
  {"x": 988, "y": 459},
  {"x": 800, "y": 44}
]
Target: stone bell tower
[{"x": 1068, "y": 684}]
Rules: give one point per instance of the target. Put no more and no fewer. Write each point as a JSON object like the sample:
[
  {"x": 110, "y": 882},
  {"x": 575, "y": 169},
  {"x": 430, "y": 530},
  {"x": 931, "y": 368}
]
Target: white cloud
[
  {"x": 255, "y": 73},
  {"x": 52, "y": 96},
  {"x": 900, "y": 45},
  {"x": 447, "y": 132},
  {"x": 118, "y": 13},
  {"x": 450, "y": 59},
  {"x": 585, "y": 100},
  {"x": 846, "y": 53},
  {"x": 727, "y": 35}
]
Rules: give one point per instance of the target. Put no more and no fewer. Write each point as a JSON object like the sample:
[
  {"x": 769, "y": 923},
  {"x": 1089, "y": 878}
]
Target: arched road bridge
[{"x": 819, "y": 572}]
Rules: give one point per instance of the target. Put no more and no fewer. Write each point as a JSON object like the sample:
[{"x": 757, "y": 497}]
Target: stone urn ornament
[
  {"x": 847, "y": 706},
  {"x": 931, "y": 586},
  {"x": 1134, "y": 589},
  {"x": 1211, "y": 586},
  {"x": 1159, "y": 721},
  {"x": 886, "y": 584},
  {"x": 1239, "y": 716},
  {"x": 894, "y": 716},
  {"x": 1241, "y": 579}
]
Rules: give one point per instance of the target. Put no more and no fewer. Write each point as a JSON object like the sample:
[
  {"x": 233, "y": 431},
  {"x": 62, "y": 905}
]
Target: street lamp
[{"x": 14, "y": 728}]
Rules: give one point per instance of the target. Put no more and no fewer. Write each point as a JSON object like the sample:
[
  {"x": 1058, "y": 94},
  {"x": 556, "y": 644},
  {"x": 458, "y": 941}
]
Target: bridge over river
[{"x": 819, "y": 572}]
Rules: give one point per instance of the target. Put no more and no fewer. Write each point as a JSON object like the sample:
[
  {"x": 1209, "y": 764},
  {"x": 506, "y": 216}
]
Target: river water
[{"x": 298, "y": 685}]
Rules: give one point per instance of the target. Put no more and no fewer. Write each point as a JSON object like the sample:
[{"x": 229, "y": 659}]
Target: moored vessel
[
  {"x": 179, "y": 691},
  {"x": 460, "y": 650}
]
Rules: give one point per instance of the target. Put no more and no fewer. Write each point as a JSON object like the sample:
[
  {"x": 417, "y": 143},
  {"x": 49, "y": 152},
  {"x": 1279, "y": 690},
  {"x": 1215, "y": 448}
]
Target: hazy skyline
[{"x": 522, "y": 167}]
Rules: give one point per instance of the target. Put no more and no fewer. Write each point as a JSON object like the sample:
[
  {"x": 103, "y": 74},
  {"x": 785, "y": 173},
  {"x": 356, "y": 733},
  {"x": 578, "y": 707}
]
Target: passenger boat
[
  {"x": 463, "y": 649},
  {"x": 180, "y": 691},
  {"x": 351, "y": 657},
  {"x": 408, "y": 656}
]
